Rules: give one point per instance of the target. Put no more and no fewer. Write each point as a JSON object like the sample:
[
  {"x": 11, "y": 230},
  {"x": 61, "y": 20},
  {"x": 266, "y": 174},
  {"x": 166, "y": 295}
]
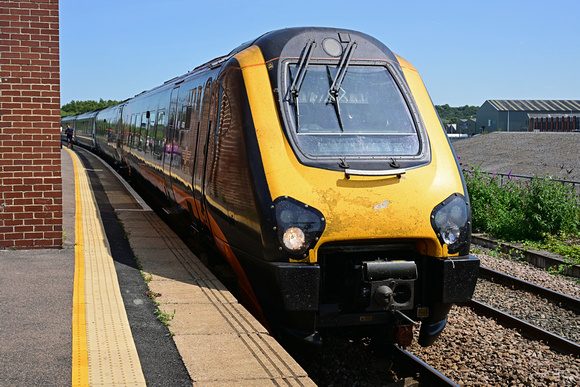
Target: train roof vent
[
  {"x": 344, "y": 37},
  {"x": 171, "y": 80},
  {"x": 218, "y": 61}
]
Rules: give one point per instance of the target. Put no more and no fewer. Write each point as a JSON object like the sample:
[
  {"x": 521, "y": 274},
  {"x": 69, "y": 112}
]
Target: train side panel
[{"x": 106, "y": 131}]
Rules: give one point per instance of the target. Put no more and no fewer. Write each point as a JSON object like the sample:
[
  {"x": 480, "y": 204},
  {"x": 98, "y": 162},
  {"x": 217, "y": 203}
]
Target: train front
[{"x": 368, "y": 218}]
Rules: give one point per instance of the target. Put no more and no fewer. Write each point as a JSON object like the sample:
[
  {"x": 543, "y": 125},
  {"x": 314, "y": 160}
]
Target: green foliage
[
  {"x": 164, "y": 317},
  {"x": 543, "y": 213},
  {"x": 77, "y": 107},
  {"x": 148, "y": 277},
  {"x": 450, "y": 115},
  {"x": 564, "y": 244},
  {"x": 521, "y": 210}
]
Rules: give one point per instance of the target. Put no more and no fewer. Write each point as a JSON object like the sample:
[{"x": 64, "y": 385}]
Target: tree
[
  {"x": 450, "y": 115},
  {"x": 77, "y": 107}
]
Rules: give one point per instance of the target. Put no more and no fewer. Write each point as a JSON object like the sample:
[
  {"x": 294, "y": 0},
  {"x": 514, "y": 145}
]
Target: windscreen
[{"x": 365, "y": 116}]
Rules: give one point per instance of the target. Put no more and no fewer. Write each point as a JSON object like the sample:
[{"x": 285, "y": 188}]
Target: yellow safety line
[
  {"x": 104, "y": 352},
  {"x": 80, "y": 357}
]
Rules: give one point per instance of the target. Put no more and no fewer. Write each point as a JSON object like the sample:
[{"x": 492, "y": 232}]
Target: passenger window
[
  {"x": 132, "y": 130},
  {"x": 150, "y": 133},
  {"x": 194, "y": 113},
  {"x": 142, "y": 131}
]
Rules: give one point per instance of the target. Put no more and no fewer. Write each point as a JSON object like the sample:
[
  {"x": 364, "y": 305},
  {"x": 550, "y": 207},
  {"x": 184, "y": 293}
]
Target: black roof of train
[{"x": 290, "y": 42}]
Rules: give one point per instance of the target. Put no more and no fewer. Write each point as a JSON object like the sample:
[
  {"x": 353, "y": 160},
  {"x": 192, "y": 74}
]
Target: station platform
[{"x": 87, "y": 314}]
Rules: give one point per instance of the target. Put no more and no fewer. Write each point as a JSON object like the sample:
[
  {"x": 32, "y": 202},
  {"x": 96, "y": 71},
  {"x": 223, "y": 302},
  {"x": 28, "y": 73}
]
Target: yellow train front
[{"x": 333, "y": 190}]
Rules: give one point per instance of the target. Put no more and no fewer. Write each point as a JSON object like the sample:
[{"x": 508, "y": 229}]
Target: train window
[
  {"x": 186, "y": 118},
  {"x": 194, "y": 119},
  {"x": 366, "y": 116},
  {"x": 133, "y": 132},
  {"x": 142, "y": 130},
  {"x": 150, "y": 132}
]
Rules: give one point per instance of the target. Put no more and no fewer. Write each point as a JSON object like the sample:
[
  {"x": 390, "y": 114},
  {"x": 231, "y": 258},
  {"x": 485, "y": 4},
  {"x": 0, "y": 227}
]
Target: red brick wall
[{"x": 30, "y": 166}]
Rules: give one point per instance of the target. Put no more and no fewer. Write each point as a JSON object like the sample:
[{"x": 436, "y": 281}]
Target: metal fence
[{"x": 510, "y": 176}]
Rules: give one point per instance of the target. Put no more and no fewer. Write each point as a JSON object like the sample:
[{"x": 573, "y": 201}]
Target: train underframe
[{"x": 356, "y": 286}]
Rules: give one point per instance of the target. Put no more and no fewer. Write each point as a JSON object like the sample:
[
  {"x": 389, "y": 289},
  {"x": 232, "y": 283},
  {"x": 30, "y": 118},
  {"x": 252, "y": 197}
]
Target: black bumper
[
  {"x": 450, "y": 280},
  {"x": 290, "y": 294},
  {"x": 445, "y": 281}
]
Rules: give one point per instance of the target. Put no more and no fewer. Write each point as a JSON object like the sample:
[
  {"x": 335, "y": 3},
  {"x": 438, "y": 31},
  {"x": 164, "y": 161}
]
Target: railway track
[
  {"x": 422, "y": 373},
  {"x": 562, "y": 300},
  {"x": 527, "y": 329}
]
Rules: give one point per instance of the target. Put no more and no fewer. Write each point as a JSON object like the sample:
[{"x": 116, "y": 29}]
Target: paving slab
[{"x": 218, "y": 339}]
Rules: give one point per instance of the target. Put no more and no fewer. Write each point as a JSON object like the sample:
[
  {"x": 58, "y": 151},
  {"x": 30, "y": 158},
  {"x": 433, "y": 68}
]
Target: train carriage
[
  {"x": 83, "y": 127},
  {"x": 315, "y": 161}
]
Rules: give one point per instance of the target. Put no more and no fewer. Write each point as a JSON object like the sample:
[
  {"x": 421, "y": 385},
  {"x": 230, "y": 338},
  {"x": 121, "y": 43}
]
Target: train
[{"x": 314, "y": 161}]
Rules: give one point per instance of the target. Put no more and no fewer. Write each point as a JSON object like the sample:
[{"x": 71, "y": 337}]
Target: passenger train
[{"x": 314, "y": 160}]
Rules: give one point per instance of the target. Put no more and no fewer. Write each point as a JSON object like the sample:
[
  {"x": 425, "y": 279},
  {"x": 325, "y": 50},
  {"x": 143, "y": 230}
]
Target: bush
[{"x": 521, "y": 210}]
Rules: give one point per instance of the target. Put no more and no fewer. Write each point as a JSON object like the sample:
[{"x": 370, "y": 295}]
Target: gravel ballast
[
  {"x": 475, "y": 350},
  {"x": 472, "y": 351}
]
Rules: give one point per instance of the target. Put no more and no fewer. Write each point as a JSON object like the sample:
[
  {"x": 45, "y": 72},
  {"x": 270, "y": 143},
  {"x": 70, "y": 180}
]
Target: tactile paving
[{"x": 112, "y": 356}]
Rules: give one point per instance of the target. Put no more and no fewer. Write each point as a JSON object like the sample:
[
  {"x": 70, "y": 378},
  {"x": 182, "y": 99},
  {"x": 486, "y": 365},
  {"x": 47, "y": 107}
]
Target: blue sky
[{"x": 466, "y": 51}]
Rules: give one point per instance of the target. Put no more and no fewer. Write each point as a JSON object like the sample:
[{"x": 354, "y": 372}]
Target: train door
[
  {"x": 201, "y": 153},
  {"x": 120, "y": 133},
  {"x": 93, "y": 132},
  {"x": 169, "y": 148},
  {"x": 159, "y": 139},
  {"x": 195, "y": 125}
]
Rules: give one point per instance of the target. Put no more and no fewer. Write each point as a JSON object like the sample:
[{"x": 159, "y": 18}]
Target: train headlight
[
  {"x": 451, "y": 220},
  {"x": 298, "y": 225},
  {"x": 294, "y": 239}
]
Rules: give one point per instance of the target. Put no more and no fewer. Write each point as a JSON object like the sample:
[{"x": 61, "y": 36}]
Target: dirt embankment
[{"x": 523, "y": 153}]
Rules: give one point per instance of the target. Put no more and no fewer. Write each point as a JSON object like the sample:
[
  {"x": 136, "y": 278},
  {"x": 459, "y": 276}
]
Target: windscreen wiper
[
  {"x": 342, "y": 66},
  {"x": 300, "y": 73},
  {"x": 337, "y": 81}
]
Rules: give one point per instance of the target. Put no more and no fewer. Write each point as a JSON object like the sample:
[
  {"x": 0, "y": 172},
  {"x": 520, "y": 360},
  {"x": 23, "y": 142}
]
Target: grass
[
  {"x": 164, "y": 317},
  {"x": 147, "y": 277},
  {"x": 563, "y": 244},
  {"x": 540, "y": 213}
]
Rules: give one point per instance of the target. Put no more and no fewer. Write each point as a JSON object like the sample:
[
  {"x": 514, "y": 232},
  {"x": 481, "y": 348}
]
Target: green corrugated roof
[{"x": 559, "y": 106}]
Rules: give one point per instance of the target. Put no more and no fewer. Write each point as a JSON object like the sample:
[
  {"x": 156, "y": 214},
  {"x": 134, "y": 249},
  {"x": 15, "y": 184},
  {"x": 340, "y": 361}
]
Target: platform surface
[{"x": 86, "y": 314}]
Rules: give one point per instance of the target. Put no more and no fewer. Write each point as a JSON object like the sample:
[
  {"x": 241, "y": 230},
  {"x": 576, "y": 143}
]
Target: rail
[
  {"x": 531, "y": 331},
  {"x": 426, "y": 375},
  {"x": 563, "y": 300},
  {"x": 528, "y": 330}
]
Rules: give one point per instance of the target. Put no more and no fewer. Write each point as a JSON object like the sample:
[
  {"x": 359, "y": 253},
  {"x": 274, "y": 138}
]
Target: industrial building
[{"x": 528, "y": 115}]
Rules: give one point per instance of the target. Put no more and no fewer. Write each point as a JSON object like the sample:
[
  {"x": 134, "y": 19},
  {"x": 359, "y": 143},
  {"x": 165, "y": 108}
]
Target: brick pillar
[{"x": 30, "y": 166}]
